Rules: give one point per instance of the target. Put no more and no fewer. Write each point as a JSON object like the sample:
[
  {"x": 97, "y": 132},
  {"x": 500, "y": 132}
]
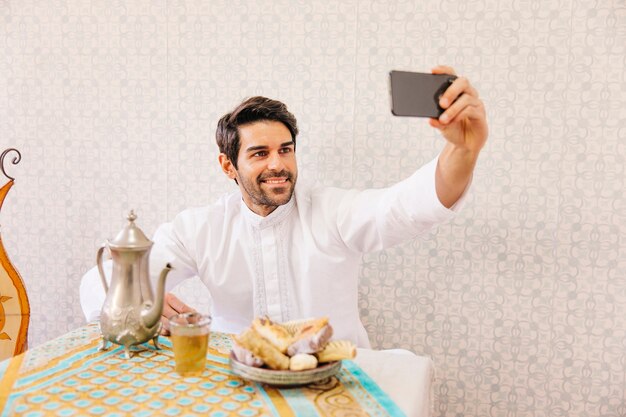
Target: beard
[{"x": 273, "y": 196}]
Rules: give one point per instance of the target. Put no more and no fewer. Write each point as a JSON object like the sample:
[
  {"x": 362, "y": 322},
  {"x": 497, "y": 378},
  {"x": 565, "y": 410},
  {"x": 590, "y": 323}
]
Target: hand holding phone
[{"x": 417, "y": 94}]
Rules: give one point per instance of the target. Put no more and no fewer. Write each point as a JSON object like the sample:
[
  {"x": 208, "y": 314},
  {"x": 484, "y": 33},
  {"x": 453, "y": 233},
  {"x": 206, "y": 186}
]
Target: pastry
[
  {"x": 337, "y": 350},
  {"x": 262, "y": 349},
  {"x": 273, "y": 333},
  {"x": 311, "y": 337},
  {"x": 294, "y": 327},
  {"x": 246, "y": 357}
]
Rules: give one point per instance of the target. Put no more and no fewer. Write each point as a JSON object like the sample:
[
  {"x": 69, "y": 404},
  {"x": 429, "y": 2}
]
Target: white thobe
[{"x": 300, "y": 261}]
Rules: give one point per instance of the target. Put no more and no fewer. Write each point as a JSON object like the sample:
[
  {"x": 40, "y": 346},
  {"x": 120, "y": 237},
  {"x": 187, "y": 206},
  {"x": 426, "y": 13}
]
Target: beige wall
[{"x": 521, "y": 301}]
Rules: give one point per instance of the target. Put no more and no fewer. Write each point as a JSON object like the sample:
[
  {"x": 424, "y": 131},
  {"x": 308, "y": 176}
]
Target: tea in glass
[{"x": 190, "y": 339}]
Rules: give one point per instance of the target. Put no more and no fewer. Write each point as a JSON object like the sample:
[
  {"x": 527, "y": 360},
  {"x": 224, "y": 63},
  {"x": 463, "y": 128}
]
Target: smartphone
[{"x": 417, "y": 94}]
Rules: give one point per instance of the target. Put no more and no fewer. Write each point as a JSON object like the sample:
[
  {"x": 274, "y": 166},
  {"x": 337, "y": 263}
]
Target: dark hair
[{"x": 251, "y": 110}]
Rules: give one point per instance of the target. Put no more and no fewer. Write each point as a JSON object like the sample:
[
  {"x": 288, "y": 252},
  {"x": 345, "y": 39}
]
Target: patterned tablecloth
[{"x": 68, "y": 376}]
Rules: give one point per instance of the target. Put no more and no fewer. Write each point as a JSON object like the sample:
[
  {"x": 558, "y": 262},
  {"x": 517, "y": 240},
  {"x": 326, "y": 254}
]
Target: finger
[
  {"x": 174, "y": 304},
  {"x": 471, "y": 112},
  {"x": 454, "y": 91},
  {"x": 459, "y": 87},
  {"x": 443, "y": 69},
  {"x": 168, "y": 311},
  {"x": 436, "y": 123},
  {"x": 467, "y": 114},
  {"x": 457, "y": 107}
]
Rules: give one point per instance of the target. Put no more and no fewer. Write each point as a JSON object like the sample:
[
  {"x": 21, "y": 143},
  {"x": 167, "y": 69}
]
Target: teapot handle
[{"x": 100, "y": 269}]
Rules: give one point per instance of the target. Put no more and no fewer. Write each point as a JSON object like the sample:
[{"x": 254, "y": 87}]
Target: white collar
[{"x": 275, "y": 217}]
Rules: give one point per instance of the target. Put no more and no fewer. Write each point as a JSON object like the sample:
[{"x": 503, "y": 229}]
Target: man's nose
[{"x": 275, "y": 162}]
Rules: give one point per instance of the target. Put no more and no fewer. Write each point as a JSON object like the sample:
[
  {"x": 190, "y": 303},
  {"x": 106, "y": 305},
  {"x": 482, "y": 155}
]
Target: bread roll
[
  {"x": 310, "y": 340},
  {"x": 263, "y": 349},
  {"x": 302, "y": 361},
  {"x": 273, "y": 333}
]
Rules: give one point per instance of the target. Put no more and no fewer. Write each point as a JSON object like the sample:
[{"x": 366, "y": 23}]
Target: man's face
[{"x": 267, "y": 169}]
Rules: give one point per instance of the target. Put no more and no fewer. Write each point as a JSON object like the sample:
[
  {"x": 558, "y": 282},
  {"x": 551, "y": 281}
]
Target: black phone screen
[{"x": 417, "y": 94}]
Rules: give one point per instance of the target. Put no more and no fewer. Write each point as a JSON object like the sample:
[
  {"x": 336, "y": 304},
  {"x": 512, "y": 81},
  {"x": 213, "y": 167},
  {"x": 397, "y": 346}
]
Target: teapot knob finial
[{"x": 131, "y": 216}]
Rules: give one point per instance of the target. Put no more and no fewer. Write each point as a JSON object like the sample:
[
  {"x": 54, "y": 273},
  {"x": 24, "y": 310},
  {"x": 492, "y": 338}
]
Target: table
[{"x": 68, "y": 376}]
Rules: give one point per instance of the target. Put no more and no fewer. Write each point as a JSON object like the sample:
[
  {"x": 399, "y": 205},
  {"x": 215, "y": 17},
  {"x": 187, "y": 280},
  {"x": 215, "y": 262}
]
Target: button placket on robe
[
  {"x": 270, "y": 273},
  {"x": 271, "y": 292}
]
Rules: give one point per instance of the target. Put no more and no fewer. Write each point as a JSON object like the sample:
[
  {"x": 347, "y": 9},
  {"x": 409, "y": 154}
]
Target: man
[{"x": 281, "y": 248}]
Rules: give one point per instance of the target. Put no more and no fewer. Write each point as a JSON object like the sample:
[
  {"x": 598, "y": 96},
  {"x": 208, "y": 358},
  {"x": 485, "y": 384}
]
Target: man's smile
[{"x": 275, "y": 180}]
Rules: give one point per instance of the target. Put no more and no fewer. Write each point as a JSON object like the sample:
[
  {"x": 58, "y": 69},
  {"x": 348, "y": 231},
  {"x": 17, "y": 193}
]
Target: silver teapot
[{"x": 131, "y": 314}]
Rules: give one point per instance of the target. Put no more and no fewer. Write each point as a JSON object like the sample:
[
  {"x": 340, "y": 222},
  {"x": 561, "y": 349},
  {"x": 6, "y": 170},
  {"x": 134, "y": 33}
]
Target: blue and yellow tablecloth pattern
[{"x": 68, "y": 376}]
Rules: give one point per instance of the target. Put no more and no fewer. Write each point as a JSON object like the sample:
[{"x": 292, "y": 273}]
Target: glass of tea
[{"x": 190, "y": 338}]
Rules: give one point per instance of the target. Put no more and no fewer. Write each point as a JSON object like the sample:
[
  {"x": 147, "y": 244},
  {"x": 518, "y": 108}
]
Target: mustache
[{"x": 274, "y": 174}]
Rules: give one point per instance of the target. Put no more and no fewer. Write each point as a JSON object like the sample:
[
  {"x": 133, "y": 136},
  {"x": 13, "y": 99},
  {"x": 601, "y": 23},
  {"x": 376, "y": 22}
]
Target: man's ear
[{"x": 227, "y": 167}]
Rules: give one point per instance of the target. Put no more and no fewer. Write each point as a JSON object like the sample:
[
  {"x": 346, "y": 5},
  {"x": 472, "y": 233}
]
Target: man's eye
[
  {"x": 260, "y": 153},
  {"x": 285, "y": 150}
]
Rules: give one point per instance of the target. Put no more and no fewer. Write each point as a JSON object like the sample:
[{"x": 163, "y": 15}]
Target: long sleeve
[
  {"x": 372, "y": 220},
  {"x": 171, "y": 246},
  {"x": 92, "y": 293}
]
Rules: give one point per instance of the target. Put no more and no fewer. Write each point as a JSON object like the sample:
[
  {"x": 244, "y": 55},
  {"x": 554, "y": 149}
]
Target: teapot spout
[{"x": 152, "y": 314}]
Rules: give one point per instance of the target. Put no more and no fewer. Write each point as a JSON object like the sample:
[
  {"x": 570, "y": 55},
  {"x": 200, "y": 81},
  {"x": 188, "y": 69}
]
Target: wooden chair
[{"x": 14, "y": 307}]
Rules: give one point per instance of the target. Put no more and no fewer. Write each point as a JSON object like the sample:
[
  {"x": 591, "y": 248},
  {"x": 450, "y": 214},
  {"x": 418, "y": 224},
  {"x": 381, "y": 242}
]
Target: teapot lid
[{"x": 131, "y": 236}]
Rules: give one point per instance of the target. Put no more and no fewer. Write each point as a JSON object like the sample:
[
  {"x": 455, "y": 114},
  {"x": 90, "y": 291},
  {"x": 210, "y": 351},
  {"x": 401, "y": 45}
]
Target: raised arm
[
  {"x": 171, "y": 246},
  {"x": 464, "y": 126}
]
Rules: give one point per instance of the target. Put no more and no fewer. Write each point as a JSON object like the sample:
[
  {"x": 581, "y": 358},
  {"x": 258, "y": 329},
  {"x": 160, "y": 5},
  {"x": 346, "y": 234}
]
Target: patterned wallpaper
[{"x": 520, "y": 301}]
